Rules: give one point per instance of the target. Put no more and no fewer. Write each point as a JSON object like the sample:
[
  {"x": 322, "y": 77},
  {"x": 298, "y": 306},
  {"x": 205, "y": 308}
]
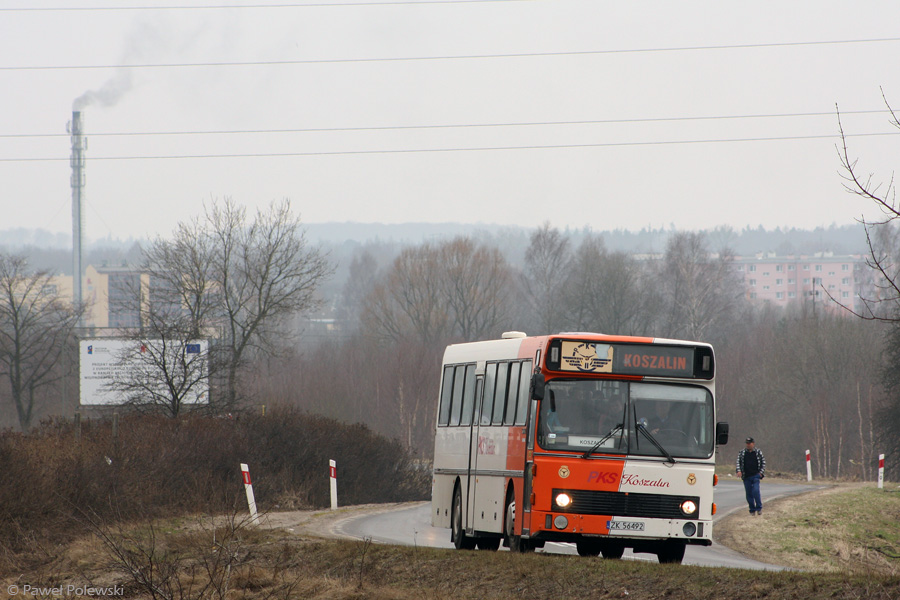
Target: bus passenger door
[{"x": 468, "y": 516}]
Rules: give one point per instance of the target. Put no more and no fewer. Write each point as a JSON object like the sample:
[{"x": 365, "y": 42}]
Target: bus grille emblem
[
  {"x": 564, "y": 471},
  {"x": 692, "y": 479}
]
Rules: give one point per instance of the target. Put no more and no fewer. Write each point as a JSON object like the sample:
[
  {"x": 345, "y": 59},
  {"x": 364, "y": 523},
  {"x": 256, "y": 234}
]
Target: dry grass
[
  {"x": 850, "y": 527},
  {"x": 273, "y": 564}
]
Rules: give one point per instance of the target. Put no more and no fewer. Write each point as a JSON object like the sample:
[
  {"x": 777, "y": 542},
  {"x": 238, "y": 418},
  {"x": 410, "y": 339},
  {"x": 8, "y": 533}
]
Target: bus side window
[
  {"x": 524, "y": 393},
  {"x": 513, "y": 394},
  {"x": 487, "y": 403},
  {"x": 500, "y": 395},
  {"x": 456, "y": 410},
  {"x": 468, "y": 403},
  {"x": 446, "y": 390}
]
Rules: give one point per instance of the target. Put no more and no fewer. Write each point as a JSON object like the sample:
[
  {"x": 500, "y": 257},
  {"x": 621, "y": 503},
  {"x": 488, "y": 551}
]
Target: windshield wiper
[
  {"x": 643, "y": 428},
  {"x": 603, "y": 439}
]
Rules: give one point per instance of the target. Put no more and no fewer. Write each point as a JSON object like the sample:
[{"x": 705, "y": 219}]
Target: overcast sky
[{"x": 606, "y": 114}]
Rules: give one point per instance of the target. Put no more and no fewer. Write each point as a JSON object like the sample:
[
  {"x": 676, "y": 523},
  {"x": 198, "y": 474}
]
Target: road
[{"x": 412, "y": 526}]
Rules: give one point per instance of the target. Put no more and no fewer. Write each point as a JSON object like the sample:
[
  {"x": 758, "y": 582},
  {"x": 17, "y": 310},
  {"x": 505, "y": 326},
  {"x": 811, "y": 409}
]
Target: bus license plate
[{"x": 625, "y": 525}]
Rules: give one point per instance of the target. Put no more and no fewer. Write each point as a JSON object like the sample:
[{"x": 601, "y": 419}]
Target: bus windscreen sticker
[{"x": 586, "y": 357}]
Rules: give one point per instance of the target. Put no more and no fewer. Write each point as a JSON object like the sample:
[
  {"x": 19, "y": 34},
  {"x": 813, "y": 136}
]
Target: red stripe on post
[
  {"x": 333, "y": 472},
  {"x": 880, "y": 463},
  {"x": 246, "y": 475}
]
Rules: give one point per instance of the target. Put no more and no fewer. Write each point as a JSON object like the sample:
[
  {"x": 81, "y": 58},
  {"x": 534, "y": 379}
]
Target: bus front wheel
[
  {"x": 515, "y": 542},
  {"x": 613, "y": 551},
  {"x": 671, "y": 552},
  {"x": 457, "y": 533},
  {"x": 587, "y": 548}
]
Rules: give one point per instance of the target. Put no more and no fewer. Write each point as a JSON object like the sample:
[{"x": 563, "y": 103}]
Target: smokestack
[{"x": 79, "y": 145}]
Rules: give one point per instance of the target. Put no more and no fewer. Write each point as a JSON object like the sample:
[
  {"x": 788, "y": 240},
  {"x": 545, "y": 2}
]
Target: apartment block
[{"x": 782, "y": 280}]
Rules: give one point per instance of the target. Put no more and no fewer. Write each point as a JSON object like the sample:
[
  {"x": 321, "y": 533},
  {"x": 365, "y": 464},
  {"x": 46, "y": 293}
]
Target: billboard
[{"x": 106, "y": 360}]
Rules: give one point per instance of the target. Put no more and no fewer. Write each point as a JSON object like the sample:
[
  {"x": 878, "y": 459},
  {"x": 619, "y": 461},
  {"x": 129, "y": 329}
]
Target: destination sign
[
  {"x": 665, "y": 361},
  {"x": 650, "y": 360}
]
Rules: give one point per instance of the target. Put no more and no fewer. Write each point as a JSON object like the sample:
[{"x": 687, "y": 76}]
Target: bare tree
[
  {"x": 883, "y": 260},
  {"x": 181, "y": 282},
  {"x": 546, "y": 262},
  {"x": 477, "y": 286},
  {"x": 229, "y": 278},
  {"x": 801, "y": 380},
  {"x": 576, "y": 300},
  {"x": 36, "y": 326},
  {"x": 699, "y": 288},
  {"x": 409, "y": 300},
  {"x": 606, "y": 292},
  {"x": 431, "y": 293},
  {"x": 165, "y": 368},
  {"x": 168, "y": 299},
  {"x": 361, "y": 280},
  {"x": 882, "y": 234},
  {"x": 264, "y": 272}
]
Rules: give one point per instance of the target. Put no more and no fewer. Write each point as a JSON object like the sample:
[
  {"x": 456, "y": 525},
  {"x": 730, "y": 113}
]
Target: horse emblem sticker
[
  {"x": 586, "y": 357},
  {"x": 564, "y": 471}
]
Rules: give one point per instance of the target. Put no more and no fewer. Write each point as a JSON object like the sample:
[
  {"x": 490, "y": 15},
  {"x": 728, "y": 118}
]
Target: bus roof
[{"x": 519, "y": 348}]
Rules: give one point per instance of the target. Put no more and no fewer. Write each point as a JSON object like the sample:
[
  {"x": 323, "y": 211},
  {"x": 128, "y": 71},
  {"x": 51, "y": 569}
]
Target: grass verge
[
  {"x": 181, "y": 561},
  {"x": 846, "y": 528}
]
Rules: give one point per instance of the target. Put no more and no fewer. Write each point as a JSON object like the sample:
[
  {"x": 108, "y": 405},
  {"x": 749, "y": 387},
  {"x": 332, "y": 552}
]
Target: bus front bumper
[{"x": 565, "y": 527}]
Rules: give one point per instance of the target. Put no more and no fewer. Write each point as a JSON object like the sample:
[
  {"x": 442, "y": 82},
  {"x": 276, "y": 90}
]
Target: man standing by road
[{"x": 751, "y": 467}]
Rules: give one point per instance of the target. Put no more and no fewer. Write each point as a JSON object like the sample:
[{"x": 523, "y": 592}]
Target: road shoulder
[{"x": 325, "y": 523}]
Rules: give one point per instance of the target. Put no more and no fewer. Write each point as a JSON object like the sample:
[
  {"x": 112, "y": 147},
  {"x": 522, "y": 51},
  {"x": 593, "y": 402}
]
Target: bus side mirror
[
  {"x": 537, "y": 387},
  {"x": 721, "y": 433}
]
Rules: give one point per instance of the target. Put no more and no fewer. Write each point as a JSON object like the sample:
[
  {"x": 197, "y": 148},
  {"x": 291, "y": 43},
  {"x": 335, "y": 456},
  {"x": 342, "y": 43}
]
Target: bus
[{"x": 607, "y": 442}]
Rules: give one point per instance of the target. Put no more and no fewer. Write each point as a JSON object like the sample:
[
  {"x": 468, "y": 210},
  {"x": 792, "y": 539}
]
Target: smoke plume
[{"x": 108, "y": 94}]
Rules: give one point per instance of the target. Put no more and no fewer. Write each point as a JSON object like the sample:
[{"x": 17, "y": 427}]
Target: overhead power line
[
  {"x": 457, "y": 149},
  {"x": 322, "y": 61},
  {"x": 452, "y": 125},
  {"x": 233, "y": 6}
]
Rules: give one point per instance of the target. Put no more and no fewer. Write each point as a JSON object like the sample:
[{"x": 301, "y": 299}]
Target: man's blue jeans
[{"x": 751, "y": 486}]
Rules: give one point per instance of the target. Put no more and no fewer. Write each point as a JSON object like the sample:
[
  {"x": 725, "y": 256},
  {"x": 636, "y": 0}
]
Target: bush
[{"x": 158, "y": 467}]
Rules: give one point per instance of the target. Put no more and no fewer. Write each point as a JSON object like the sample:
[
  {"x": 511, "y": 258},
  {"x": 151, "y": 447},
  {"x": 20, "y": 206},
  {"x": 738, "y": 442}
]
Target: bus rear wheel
[{"x": 457, "y": 533}]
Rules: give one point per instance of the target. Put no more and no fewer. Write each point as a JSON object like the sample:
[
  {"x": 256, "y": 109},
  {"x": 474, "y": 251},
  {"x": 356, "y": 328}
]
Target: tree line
[{"x": 793, "y": 378}]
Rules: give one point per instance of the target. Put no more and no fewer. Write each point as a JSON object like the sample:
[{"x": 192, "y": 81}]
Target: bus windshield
[{"x": 608, "y": 416}]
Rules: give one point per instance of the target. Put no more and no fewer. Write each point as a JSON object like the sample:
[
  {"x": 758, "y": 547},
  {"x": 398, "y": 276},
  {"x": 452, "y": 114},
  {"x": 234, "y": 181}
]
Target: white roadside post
[
  {"x": 881, "y": 471},
  {"x": 808, "y": 468},
  {"x": 248, "y": 487},
  {"x": 332, "y": 472}
]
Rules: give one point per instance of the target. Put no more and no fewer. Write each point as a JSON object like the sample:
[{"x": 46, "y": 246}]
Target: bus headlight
[
  {"x": 563, "y": 500},
  {"x": 688, "y": 507}
]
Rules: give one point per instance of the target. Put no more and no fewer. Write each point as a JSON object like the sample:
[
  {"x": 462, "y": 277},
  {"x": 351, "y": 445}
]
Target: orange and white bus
[{"x": 607, "y": 442}]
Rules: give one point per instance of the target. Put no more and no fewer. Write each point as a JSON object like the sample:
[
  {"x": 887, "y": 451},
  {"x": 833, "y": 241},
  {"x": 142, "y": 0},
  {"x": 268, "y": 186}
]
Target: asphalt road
[{"x": 412, "y": 526}]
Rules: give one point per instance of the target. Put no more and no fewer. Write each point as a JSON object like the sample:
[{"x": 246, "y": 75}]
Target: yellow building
[{"x": 109, "y": 295}]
